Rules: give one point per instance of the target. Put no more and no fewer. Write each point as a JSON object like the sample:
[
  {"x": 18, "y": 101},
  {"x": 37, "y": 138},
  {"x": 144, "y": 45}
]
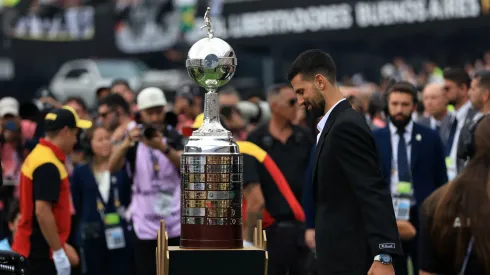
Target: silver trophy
[{"x": 211, "y": 165}]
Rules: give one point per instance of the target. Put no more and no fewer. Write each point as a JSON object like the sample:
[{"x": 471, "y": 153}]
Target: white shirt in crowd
[
  {"x": 460, "y": 115},
  {"x": 322, "y": 122}
]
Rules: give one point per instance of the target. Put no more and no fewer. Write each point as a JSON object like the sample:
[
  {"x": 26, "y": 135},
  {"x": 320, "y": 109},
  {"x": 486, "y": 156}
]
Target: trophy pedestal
[{"x": 188, "y": 261}]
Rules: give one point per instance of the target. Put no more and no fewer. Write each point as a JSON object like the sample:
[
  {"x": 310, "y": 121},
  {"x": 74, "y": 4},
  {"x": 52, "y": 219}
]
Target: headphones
[{"x": 468, "y": 150}]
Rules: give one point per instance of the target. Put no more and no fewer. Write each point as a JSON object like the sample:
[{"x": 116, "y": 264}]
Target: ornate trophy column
[{"x": 211, "y": 165}]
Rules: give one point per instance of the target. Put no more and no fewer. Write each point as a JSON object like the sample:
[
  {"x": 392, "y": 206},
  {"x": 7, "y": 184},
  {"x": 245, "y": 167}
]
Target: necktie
[
  {"x": 450, "y": 139},
  {"x": 403, "y": 167}
]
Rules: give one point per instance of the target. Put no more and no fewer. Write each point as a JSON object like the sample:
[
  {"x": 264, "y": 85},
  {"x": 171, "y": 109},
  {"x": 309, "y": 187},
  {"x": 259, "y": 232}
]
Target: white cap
[
  {"x": 9, "y": 105},
  {"x": 151, "y": 97}
]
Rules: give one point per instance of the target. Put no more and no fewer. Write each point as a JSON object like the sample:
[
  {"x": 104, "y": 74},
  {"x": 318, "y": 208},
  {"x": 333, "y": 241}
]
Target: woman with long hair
[
  {"x": 455, "y": 237},
  {"x": 100, "y": 199}
]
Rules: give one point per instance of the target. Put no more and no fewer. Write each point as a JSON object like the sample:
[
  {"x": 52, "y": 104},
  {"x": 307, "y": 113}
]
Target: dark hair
[
  {"x": 114, "y": 101},
  {"x": 466, "y": 198},
  {"x": 403, "y": 87},
  {"x": 458, "y": 76},
  {"x": 312, "y": 62},
  {"x": 52, "y": 134},
  {"x": 376, "y": 104},
  {"x": 120, "y": 82},
  {"x": 86, "y": 137},
  {"x": 78, "y": 100},
  {"x": 275, "y": 89},
  {"x": 484, "y": 78},
  {"x": 14, "y": 210}
]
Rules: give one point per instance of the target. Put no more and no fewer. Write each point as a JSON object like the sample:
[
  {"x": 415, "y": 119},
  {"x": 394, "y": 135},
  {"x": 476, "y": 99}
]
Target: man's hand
[
  {"x": 310, "y": 238},
  {"x": 72, "y": 255},
  {"x": 156, "y": 142},
  {"x": 61, "y": 262},
  {"x": 134, "y": 134},
  {"x": 378, "y": 268},
  {"x": 406, "y": 230}
]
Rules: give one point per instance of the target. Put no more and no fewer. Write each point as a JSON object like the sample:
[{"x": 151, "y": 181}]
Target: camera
[{"x": 148, "y": 131}]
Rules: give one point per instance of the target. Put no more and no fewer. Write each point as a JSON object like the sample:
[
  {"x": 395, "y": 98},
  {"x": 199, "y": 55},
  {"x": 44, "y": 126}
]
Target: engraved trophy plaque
[{"x": 211, "y": 165}]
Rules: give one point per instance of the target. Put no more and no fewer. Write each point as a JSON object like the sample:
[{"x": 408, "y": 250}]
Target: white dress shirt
[
  {"x": 460, "y": 115},
  {"x": 103, "y": 180},
  {"x": 434, "y": 123},
  {"x": 395, "y": 139},
  {"x": 321, "y": 123}
]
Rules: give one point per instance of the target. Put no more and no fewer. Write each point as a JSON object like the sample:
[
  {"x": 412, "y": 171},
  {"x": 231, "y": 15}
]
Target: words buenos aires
[{"x": 345, "y": 16}]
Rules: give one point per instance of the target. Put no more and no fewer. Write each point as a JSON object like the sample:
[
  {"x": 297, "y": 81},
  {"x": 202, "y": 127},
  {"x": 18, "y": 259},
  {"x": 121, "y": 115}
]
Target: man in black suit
[{"x": 356, "y": 231}]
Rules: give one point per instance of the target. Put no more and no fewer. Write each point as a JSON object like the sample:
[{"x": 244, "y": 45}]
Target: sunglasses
[{"x": 104, "y": 115}]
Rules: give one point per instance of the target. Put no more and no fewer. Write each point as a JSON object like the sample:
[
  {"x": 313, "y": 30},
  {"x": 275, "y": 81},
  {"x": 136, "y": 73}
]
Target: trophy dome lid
[{"x": 206, "y": 46}]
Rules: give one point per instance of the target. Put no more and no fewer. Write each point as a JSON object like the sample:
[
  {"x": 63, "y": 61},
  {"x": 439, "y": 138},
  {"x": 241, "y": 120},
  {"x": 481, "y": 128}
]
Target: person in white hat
[
  {"x": 9, "y": 106},
  {"x": 151, "y": 97},
  {"x": 154, "y": 161}
]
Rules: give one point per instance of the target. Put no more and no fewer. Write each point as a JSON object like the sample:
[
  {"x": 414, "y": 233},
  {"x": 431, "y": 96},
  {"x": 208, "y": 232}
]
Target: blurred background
[
  {"x": 98, "y": 55},
  {"x": 146, "y": 41}
]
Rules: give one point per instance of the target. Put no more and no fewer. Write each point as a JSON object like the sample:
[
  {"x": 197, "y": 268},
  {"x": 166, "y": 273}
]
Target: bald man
[{"x": 435, "y": 105}]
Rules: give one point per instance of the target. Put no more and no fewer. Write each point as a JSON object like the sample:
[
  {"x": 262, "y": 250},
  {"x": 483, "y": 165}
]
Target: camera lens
[{"x": 149, "y": 132}]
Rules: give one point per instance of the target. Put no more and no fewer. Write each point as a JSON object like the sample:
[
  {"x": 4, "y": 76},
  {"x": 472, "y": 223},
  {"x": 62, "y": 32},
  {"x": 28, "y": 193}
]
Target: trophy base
[
  {"x": 211, "y": 244},
  {"x": 217, "y": 261},
  {"x": 211, "y": 237},
  {"x": 190, "y": 261}
]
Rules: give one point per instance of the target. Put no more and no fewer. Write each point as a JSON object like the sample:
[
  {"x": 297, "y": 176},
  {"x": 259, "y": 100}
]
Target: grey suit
[
  {"x": 446, "y": 127},
  {"x": 425, "y": 121}
]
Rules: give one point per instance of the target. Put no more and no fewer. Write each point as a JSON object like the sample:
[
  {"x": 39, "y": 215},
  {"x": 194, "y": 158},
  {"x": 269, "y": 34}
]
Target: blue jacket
[
  {"x": 85, "y": 193},
  {"x": 427, "y": 159}
]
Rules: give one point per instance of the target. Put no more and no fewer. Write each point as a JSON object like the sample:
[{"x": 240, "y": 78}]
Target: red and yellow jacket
[
  {"x": 262, "y": 157},
  {"x": 29, "y": 240}
]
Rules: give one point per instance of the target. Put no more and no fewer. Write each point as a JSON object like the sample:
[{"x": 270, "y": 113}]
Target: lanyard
[
  {"x": 155, "y": 165},
  {"x": 467, "y": 256},
  {"x": 117, "y": 202}
]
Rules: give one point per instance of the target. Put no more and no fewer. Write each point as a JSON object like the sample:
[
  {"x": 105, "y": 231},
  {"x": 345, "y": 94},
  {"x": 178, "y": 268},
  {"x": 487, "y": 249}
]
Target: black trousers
[
  {"x": 144, "y": 255},
  {"x": 41, "y": 267},
  {"x": 288, "y": 253}
]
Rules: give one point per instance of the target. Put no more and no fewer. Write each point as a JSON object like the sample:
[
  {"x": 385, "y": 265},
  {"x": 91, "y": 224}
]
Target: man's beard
[
  {"x": 316, "y": 110},
  {"x": 452, "y": 102},
  {"x": 400, "y": 123}
]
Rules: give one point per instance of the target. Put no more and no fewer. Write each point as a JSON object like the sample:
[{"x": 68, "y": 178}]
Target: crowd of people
[{"x": 89, "y": 187}]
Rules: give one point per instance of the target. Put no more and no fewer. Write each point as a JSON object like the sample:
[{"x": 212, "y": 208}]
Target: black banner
[{"x": 338, "y": 20}]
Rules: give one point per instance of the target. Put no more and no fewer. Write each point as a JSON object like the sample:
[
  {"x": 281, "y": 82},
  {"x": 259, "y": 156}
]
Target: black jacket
[{"x": 355, "y": 220}]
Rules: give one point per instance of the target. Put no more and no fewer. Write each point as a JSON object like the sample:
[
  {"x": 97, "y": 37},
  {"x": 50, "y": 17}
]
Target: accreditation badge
[
  {"x": 114, "y": 232},
  {"x": 402, "y": 200},
  {"x": 163, "y": 203}
]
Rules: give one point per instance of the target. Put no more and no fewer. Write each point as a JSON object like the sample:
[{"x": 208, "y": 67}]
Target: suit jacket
[
  {"x": 355, "y": 220},
  {"x": 446, "y": 128},
  {"x": 85, "y": 193},
  {"x": 427, "y": 159},
  {"x": 425, "y": 121}
]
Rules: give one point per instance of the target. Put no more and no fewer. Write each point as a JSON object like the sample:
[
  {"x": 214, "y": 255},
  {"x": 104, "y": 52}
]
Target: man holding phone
[{"x": 151, "y": 151}]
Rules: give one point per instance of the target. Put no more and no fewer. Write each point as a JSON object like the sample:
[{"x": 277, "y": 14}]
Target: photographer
[{"x": 152, "y": 153}]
